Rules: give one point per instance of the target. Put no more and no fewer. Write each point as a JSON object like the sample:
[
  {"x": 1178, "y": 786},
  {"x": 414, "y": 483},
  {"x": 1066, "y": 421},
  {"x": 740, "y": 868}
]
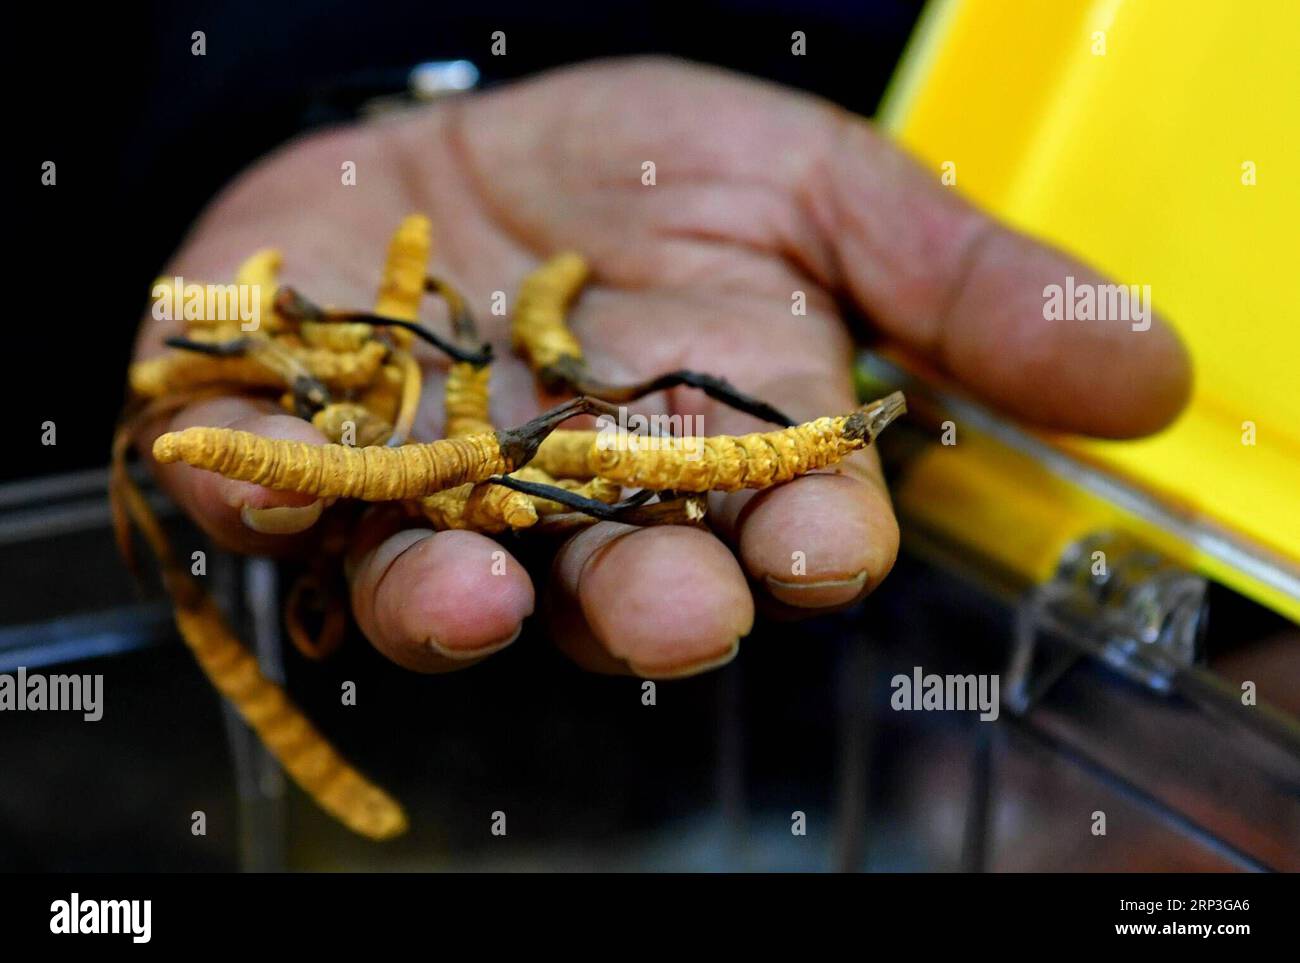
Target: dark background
[{"x": 144, "y": 133}]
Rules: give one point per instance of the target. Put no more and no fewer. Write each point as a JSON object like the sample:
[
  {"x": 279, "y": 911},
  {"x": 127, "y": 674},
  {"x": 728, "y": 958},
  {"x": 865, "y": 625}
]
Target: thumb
[{"x": 968, "y": 294}]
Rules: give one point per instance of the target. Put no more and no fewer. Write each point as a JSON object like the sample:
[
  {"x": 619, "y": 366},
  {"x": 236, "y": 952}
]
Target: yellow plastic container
[{"x": 1160, "y": 141}]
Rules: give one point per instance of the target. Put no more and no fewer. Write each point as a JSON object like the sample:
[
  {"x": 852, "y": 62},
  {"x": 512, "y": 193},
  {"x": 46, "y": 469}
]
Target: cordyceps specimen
[
  {"x": 695, "y": 464},
  {"x": 354, "y": 375},
  {"x": 300, "y": 748},
  {"x": 541, "y": 333}
]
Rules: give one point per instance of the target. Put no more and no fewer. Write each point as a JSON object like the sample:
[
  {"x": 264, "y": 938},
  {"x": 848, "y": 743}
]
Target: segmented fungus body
[
  {"x": 343, "y": 337},
  {"x": 263, "y": 363},
  {"x": 300, "y": 748},
  {"x": 483, "y": 508},
  {"x": 466, "y": 400},
  {"x": 343, "y": 369},
  {"x": 349, "y": 423},
  {"x": 383, "y": 397},
  {"x": 261, "y": 273},
  {"x": 692, "y": 464},
  {"x": 566, "y": 453},
  {"x": 490, "y": 509},
  {"x": 539, "y": 329},
  {"x": 373, "y": 474},
  {"x": 402, "y": 287},
  {"x": 730, "y": 463}
]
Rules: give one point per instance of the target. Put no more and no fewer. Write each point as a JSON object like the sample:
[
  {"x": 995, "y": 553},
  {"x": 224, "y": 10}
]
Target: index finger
[{"x": 240, "y": 516}]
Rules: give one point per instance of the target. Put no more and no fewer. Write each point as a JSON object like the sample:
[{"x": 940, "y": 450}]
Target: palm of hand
[{"x": 700, "y": 269}]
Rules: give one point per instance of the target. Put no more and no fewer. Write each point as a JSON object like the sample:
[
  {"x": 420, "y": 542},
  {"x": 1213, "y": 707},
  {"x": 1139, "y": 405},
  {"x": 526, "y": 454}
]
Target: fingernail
[
  {"x": 693, "y": 668},
  {"x": 816, "y": 595},
  {"x": 283, "y": 519},
  {"x": 464, "y": 655}
]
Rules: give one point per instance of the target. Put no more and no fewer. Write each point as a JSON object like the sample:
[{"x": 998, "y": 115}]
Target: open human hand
[{"x": 758, "y": 193}]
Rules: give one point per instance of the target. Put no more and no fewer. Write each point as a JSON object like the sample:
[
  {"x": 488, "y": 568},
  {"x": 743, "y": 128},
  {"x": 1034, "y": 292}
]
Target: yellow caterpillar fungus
[
  {"x": 477, "y": 507},
  {"x": 261, "y": 272},
  {"x": 485, "y": 508},
  {"x": 344, "y": 336},
  {"x": 304, "y": 753},
  {"x": 538, "y": 329},
  {"x": 373, "y": 474},
  {"x": 344, "y": 370},
  {"x": 466, "y": 400},
  {"x": 565, "y": 453},
  {"x": 300, "y": 748},
  {"x": 348, "y": 423},
  {"x": 263, "y": 364},
  {"x": 730, "y": 463},
  {"x": 402, "y": 286},
  {"x": 383, "y": 397},
  {"x": 692, "y": 464},
  {"x": 540, "y": 332}
]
